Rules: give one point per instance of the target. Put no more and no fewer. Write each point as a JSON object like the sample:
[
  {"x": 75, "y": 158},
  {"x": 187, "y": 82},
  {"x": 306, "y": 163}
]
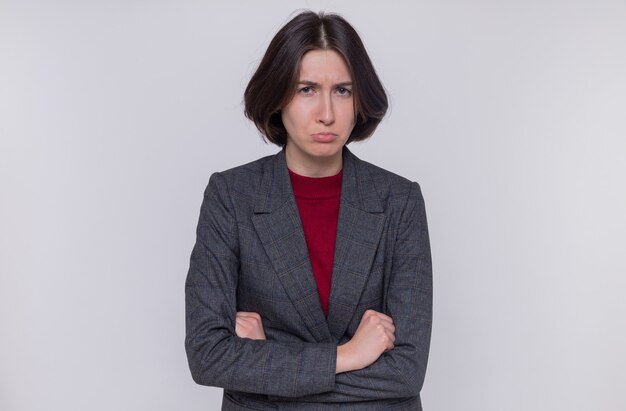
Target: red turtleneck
[{"x": 318, "y": 204}]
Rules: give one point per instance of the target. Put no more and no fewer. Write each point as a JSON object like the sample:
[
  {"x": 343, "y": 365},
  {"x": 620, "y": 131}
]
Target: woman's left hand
[{"x": 249, "y": 325}]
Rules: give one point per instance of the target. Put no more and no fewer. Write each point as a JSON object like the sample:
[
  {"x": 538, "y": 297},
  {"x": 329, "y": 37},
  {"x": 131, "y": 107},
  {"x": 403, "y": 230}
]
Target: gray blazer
[{"x": 251, "y": 255}]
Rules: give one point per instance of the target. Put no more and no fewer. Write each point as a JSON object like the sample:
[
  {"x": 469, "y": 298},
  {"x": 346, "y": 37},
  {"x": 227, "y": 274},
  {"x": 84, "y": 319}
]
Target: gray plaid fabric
[{"x": 251, "y": 255}]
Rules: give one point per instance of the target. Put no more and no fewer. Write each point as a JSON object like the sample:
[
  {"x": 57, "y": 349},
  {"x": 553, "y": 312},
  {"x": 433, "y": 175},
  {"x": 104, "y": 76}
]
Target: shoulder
[
  {"x": 400, "y": 198},
  {"x": 388, "y": 185},
  {"x": 237, "y": 188},
  {"x": 249, "y": 170},
  {"x": 243, "y": 178}
]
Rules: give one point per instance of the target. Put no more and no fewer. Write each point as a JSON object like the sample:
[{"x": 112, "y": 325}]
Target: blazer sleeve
[
  {"x": 399, "y": 373},
  {"x": 217, "y": 357}
]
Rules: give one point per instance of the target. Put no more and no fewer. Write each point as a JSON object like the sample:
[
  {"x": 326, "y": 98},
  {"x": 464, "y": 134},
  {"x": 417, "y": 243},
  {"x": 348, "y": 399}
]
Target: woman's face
[{"x": 320, "y": 116}]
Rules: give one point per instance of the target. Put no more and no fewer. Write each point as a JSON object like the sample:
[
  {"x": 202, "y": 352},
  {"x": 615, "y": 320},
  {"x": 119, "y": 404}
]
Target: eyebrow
[{"x": 312, "y": 83}]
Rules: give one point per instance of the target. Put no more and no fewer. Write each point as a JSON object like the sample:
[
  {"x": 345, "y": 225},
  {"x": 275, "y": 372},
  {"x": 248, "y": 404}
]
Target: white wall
[{"x": 511, "y": 115}]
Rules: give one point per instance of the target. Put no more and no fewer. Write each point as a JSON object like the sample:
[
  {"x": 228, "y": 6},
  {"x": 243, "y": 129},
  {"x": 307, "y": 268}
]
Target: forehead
[{"x": 319, "y": 65}]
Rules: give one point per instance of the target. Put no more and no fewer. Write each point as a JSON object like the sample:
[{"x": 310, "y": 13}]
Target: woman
[{"x": 310, "y": 283}]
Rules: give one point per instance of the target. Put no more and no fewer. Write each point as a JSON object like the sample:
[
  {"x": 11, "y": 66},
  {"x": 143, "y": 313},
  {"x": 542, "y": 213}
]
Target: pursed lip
[{"x": 324, "y": 137}]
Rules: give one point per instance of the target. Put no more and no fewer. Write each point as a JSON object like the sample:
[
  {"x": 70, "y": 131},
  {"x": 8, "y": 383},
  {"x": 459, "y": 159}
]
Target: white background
[{"x": 510, "y": 114}]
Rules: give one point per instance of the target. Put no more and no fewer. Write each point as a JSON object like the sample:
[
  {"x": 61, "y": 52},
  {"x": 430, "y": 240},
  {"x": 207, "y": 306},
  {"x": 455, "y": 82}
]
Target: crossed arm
[
  {"x": 393, "y": 360},
  {"x": 374, "y": 335}
]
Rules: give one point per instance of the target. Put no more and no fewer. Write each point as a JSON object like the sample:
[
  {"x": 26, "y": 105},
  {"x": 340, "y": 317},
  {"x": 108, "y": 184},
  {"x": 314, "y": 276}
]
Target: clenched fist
[
  {"x": 249, "y": 325},
  {"x": 374, "y": 336}
]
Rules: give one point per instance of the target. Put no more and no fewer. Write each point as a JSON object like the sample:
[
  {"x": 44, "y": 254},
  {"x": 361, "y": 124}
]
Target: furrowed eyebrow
[
  {"x": 314, "y": 84},
  {"x": 344, "y": 84}
]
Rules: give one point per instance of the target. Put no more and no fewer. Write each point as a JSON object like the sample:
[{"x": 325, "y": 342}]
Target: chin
[
  {"x": 326, "y": 152},
  {"x": 327, "y": 149}
]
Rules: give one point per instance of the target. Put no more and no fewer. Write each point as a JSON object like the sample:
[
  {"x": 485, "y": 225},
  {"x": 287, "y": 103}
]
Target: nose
[{"x": 326, "y": 114}]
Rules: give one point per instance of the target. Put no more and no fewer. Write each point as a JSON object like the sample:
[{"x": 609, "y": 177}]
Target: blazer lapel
[
  {"x": 359, "y": 229},
  {"x": 277, "y": 222}
]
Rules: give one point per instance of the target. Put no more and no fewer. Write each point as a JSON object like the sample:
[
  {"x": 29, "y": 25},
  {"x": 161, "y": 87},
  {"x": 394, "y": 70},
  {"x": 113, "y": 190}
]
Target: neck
[{"x": 314, "y": 167}]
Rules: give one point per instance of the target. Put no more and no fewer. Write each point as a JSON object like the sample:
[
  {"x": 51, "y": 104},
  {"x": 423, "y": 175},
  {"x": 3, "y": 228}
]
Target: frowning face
[{"x": 320, "y": 116}]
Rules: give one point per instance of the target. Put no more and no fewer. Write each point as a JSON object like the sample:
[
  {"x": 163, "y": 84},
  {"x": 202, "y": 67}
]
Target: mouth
[{"x": 324, "y": 137}]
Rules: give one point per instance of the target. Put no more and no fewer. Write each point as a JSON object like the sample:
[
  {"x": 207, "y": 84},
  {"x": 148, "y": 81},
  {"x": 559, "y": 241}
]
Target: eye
[
  {"x": 306, "y": 90},
  {"x": 342, "y": 91}
]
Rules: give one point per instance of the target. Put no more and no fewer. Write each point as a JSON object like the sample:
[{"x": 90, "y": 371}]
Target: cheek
[
  {"x": 294, "y": 117},
  {"x": 347, "y": 115}
]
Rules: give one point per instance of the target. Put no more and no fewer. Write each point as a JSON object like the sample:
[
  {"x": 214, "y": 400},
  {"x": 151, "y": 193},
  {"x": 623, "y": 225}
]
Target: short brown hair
[{"x": 272, "y": 86}]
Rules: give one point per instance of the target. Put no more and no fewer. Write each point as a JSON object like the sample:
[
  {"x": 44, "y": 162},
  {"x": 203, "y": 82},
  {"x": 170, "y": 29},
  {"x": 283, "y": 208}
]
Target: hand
[
  {"x": 374, "y": 336},
  {"x": 249, "y": 325}
]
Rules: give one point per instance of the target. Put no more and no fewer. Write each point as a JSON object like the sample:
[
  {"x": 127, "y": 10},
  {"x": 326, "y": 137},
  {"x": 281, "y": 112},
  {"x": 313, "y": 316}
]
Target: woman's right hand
[{"x": 374, "y": 336}]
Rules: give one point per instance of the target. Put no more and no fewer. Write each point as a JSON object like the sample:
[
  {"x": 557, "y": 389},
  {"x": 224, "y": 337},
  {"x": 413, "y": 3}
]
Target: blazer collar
[
  {"x": 275, "y": 188},
  {"x": 359, "y": 229}
]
